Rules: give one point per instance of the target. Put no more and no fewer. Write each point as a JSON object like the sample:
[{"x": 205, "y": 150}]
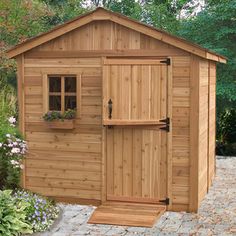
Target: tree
[
  {"x": 19, "y": 20},
  {"x": 215, "y": 29}
]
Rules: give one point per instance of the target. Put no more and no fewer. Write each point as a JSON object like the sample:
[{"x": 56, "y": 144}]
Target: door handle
[{"x": 110, "y": 109}]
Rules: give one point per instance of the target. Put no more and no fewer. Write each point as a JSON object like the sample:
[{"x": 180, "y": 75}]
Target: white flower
[
  {"x": 15, "y": 143},
  {"x": 15, "y": 150},
  {"x": 13, "y": 162},
  {"x": 10, "y": 145},
  {"x": 0, "y": 144},
  {"x": 8, "y": 135},
  {"x": 22, "y": 166},
  {"x": 12, "y": 120}
]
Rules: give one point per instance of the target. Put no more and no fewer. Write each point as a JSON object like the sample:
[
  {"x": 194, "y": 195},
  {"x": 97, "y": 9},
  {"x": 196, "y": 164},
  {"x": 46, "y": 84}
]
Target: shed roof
[{"x": 103, "y": 14}]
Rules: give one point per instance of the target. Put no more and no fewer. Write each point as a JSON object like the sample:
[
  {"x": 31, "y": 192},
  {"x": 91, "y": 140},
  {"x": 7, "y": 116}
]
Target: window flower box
[
  {"x": 58, "y": 120},
  {"x": 61, "y": 124}
]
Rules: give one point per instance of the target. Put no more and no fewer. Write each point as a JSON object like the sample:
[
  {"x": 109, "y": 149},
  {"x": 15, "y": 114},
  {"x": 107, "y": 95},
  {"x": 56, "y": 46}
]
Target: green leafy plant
[
  {"x": 13, "y": 215},
  {"x": 226, "y": 133},
  {"x": 52, "y": 115},
  {"x": 69, "y": 114},
  {"x": 40, "y": 212},
  {"x": 56, "y": 115}
]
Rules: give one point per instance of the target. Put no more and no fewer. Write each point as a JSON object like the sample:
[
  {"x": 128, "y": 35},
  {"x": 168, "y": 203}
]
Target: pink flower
[{"x": 15, "y": 150}]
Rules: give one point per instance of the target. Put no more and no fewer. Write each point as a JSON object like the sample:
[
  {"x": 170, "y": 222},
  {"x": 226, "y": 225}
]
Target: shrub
[
  {"x": 40, "y": 212},
  {"x": 226, "y": 133},
  {"x": 13, "y": 215},
  {"x": 12, "y": 151}
]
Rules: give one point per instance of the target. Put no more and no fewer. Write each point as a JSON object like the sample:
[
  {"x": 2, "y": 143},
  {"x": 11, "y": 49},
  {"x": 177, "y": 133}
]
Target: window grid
[{"x": 63, "y": 93}]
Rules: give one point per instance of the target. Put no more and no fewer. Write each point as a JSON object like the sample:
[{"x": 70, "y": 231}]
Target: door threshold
[{"x": 127, "y": 214}]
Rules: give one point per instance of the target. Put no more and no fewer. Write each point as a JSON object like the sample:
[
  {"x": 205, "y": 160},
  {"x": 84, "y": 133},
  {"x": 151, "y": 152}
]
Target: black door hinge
[
  {"x": 166, "y": 128},
  {"x": 167, "y": 61},
  {"x": 166, "y": 201},
  {"x": 166, "y": 120},
  {"x": 167, "y": 124}
]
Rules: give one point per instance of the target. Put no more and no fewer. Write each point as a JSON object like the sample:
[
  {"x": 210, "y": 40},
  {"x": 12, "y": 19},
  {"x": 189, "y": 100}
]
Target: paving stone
[
  {"x": 116, "y": 231},
  {"x": 216, "y": 216}
]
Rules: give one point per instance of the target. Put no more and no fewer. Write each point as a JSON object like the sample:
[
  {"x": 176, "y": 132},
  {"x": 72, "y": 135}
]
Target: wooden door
[{"x": 136, "y": 147}]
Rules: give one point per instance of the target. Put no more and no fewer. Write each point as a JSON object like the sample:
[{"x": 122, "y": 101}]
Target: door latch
[
  {"x": 166, "y": 201},
  {"x": 110, "y": 109}
]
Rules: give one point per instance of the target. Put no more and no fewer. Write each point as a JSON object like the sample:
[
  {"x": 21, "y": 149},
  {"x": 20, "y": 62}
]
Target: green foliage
[
  {"x": 19, "y": 20},
  {"x": 56, "y": 115},
  {"x": 8, "y": 99},
  {"x": 23, "y": 212},
  {"x": 13, "y": 215},
  {"x": 226, "y": 133},
  {"x": 129, "y": 8},
  {"x": 165, "y": 14},
  {"x": 226, "y": 126},
  {"x": 69, "y": 114},
  {"x": 52, "y": 115},
  {"x": 40, "y": 211},
  {"x": 63, "y": 10},
  {"x": 215, "y": 29}
]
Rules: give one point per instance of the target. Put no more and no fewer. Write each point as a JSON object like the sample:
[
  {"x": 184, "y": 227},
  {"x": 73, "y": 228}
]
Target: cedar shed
[{"x": 145, "y": 113}]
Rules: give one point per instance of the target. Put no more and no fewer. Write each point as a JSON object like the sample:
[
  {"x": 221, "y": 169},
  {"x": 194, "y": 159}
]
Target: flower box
[{"x": 61, "y": 124}]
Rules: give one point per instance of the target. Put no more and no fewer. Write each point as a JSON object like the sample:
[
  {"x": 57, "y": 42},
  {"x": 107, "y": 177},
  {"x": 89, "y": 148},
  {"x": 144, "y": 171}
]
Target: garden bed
[{"x": 23, "y": 212}]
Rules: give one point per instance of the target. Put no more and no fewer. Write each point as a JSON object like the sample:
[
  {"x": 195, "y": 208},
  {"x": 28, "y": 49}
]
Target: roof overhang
[{"x": 102, "y": 14}]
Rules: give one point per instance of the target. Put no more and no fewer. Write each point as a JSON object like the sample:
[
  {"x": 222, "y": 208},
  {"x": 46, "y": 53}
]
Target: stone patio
[{"x": 216, "y": 216}]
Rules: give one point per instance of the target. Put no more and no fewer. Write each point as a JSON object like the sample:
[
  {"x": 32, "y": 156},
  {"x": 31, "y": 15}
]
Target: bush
[
  {"x": 13, "y": 215},
  {"x": 226, "y": 133},
  {"x": 12, "y": 150},
  {"x": 40, "y": 212}
]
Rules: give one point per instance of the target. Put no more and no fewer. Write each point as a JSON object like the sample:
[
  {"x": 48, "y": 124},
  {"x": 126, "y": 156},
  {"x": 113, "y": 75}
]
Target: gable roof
[{"x": 103, "y": 14}]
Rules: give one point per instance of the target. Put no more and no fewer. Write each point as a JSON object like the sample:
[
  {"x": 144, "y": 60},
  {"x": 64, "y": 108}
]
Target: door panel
[
  {"x": 136, "y": 91},
  {"x": 136, "y": 154},
  {"x": 136, "y": 164}
]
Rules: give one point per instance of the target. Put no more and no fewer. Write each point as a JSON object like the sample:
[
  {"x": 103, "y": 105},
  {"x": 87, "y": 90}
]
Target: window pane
[
  {"x": 70, "y": 102},
  {"x": 54, "y": 103},
  {"x": 70, "y": 84},
  {"x": 54, "y": 84}
]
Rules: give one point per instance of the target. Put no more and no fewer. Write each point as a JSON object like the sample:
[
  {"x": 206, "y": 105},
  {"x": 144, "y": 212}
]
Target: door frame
[{"x": 105, "y": 61}]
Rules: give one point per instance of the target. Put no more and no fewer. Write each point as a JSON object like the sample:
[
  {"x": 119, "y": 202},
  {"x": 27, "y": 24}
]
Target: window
[{"x": 62, "y": 92}]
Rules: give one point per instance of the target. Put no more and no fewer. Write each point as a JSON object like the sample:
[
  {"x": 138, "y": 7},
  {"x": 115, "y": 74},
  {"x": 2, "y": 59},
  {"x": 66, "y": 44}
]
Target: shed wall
[
  {"x": 202, "y": 129},
  {"x": 59, "y": 164},
  {"x": 64, "y": 163},
  {"x": 212, "y": 122}
]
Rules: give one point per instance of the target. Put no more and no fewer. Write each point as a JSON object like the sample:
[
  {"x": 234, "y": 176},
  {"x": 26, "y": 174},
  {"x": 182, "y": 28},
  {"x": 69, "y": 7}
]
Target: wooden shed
[{"x": 145, "y": 122}]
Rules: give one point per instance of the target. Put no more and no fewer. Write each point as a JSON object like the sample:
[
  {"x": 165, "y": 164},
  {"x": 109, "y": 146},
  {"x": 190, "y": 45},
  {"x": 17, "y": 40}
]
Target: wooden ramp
[{"x": 129, "y": 214}]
